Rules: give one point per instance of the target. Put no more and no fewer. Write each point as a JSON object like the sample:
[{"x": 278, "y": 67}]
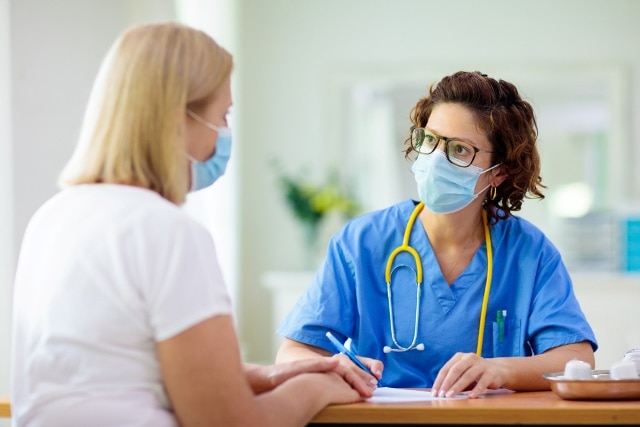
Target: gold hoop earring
[{"x": 493, "y": 193}]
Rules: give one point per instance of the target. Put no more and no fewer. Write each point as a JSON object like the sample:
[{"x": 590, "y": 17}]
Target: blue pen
[{"x": 342, "y": 349}]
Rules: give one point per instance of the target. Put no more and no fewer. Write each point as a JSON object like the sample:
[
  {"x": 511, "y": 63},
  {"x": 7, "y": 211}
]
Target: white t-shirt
[{"x": 105, "y": 272}]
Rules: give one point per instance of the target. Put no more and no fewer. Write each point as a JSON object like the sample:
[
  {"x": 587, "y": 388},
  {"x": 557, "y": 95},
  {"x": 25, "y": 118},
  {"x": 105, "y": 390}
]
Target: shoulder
[
  {"x": 120, "y": 211},
  {"x": 516, "y": 232},
  {"x": 161, "y": 222},
  {"x": 518, "y": 224},
  {"x": 374, "y": 231}
]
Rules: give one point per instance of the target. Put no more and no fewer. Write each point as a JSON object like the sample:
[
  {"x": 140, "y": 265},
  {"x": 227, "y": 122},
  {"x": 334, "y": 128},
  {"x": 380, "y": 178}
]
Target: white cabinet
[
  {"x": 285, "y": 288},
  {"x": 611, "y": 302}
]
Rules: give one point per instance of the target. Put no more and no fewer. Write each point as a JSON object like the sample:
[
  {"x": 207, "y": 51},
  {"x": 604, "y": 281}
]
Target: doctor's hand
[
  {"x": 468, "y": 371},
  {"x": 360, "y": 380}
]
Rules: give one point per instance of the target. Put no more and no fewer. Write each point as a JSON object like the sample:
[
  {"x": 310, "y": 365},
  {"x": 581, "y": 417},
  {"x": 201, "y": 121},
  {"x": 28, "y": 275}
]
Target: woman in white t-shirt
[{"x": 121, "y": 316}]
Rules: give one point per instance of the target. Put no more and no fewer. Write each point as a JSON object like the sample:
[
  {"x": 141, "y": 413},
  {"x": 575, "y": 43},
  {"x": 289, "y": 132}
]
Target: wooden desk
[
  {"x": 5, "y": 407},
  {"x": 530, "y": 408}
]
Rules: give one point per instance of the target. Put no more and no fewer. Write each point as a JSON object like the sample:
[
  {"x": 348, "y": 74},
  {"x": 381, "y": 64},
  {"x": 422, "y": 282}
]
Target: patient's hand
[{"x": 266, "y": 377}]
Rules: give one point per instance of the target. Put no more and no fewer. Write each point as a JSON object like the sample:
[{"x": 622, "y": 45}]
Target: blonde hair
[{"x": 133, "y": 129}]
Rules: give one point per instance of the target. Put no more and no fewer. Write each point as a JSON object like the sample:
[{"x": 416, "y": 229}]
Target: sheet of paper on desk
[{"x": 390, "y": 395}]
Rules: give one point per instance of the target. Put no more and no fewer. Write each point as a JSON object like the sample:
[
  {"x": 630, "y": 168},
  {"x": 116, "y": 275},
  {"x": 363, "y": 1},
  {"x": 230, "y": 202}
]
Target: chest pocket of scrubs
[{"x": 506, "y": 342}]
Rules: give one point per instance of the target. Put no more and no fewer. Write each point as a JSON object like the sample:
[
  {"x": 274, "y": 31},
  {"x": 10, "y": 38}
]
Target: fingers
[
  {"x": 439, "y": 387},
  {"x": 281, "y": 372},
  {"x": 375, "y": 366},
  {"x": 358, "y": 379},
  {"x": 344, "y": 392},
  {"x": 481, "y": 386},
  {"x": 464, "y": 371},
  {"x": 316, "y": 364},
  {"x": 361, "y": 381}
]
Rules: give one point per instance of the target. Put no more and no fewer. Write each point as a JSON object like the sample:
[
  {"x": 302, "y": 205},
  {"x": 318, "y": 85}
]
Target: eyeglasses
[{"x": 459, "y": 153}]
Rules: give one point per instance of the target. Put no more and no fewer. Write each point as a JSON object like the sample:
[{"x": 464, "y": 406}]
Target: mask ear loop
[
  {"x": 493, "y": 191},
  {"x": 202, "y": 121}
]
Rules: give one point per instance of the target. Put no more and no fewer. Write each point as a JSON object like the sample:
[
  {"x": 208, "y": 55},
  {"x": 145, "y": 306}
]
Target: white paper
[{"x": 391, "y": 395}]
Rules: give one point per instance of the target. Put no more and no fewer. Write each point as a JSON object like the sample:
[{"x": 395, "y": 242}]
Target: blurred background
[{"x": 322, "y": 92}]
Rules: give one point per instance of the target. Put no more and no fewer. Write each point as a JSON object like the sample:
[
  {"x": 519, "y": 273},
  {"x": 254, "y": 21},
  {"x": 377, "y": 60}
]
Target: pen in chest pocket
[{"x": 501, "y": 319}]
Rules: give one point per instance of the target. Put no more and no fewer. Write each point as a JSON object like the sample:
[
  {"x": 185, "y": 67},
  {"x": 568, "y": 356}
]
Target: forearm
[
  {"x": 292, "y": 350},
  {"x": 300, "y": 398},
  {"x": 258, "y": 378},
  {"x": 525, "y": 373}
]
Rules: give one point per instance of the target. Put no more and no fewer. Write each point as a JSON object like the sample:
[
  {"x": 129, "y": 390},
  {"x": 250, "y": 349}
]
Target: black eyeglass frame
[{"x": 439, "y": 138}]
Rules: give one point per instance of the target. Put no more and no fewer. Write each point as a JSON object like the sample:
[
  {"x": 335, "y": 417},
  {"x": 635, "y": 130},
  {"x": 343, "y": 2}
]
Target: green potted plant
[{"x": 311, "y": 202}]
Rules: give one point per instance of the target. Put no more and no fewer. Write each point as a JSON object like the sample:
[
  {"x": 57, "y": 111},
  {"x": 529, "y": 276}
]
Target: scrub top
[{"x": 531, "y": 289}]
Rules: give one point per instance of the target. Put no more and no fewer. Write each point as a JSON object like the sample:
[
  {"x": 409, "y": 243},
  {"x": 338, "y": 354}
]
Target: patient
[{"x": 121, "y": 315}]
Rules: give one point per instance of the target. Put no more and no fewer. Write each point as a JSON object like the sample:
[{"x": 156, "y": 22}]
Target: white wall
[
  {"x": 50, "y": 51},
  {"x": 217, "y": 18},
  {"x": 6, "y": 197},
  {"x": 57, "y": 47},
  {"x": 290, "y": 49}
]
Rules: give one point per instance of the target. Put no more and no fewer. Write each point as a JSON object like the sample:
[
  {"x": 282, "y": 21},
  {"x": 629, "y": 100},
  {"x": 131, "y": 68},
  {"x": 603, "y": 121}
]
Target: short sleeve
[
  {"x": 554, "y": 299},
  {"x": 185, "y": 284},
  {"x": 327, "y": 305}
]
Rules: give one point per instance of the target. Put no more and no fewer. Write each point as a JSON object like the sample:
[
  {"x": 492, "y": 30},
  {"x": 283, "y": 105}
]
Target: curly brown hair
[{"x": 510, "y": 125}]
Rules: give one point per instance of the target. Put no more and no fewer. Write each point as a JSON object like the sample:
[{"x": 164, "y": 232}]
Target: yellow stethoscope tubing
[
  {"x": 406, "y": 248},
  {"x": 387, "y": 277},
  {"x": 487, "y": 285}
]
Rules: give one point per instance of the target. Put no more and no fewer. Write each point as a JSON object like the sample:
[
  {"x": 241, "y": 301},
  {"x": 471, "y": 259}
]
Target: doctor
[{"x": 453, "y": 291}]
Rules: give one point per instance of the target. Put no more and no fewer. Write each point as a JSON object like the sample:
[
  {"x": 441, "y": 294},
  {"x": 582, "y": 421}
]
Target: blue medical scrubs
[{"x": 348, "y": 296}]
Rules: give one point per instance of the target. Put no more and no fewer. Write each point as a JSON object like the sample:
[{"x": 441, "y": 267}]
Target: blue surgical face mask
[
  {"x": 203, "y": 174},
  {"x": 443, "y": 187}
]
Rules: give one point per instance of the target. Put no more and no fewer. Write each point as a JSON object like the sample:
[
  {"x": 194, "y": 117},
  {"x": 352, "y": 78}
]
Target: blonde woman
[{"x": 121, "y": 316}]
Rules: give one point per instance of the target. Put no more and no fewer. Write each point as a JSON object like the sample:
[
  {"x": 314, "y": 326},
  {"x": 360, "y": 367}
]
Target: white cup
[
  {"x": 633, "y": 355},
  {"x": 623, "y": 370},
  {"x": 577, "y": 370}
]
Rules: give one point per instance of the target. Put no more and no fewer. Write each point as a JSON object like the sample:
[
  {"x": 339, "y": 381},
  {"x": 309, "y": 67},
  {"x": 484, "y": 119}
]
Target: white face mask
[{"x": 443, "y": 187}]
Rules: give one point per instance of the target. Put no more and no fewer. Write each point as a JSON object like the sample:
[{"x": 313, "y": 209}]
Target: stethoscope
[{"x": 404, "y": 247}]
